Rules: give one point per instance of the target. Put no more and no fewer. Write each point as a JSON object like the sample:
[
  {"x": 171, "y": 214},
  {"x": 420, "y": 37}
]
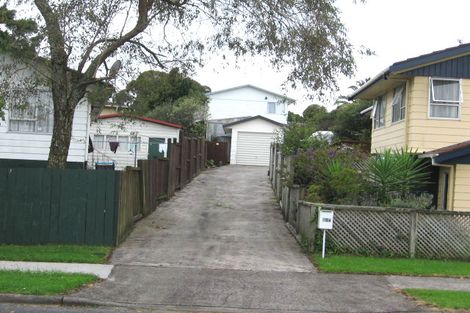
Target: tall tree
[
  {"x": 155, "y": 88},
  {"x": 84, "y": 36},
  {"x": 171, "y": 96}
]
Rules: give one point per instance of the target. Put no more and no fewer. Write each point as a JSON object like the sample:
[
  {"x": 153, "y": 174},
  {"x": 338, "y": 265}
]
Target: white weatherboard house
[
  {"x": 248, "y": 117},
  {"x": 26, "y": 131},
  {"x": 135, "y": 138}
]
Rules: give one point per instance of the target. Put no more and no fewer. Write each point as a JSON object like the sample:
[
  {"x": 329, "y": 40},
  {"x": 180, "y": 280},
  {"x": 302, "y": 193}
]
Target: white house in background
[
  {"x": 136, "y": 138},
  {"x": 26, "y": 131},
  {"x": 232, "y": 104},
  {"x": 248, "y": 117}
]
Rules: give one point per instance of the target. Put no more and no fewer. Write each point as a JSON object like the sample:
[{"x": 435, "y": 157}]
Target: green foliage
[
  {"x": 314, "y": 194},
  {"x": 171, "y": 97},
  {"x": 349, "y": 124},
  {"x": 395, "y": 173},
  {"x": 346, "y": 176},
  {"x": 42, "y": 283},
  {"x": 345, "y": 122},
  {"x": 341, "y": 183},
  {"x": 317, "y": 117},
  {"x": 19, "y": 37},
  {"x": 153, "y": 89},
  {"x": 189, "y": 111},
  {"x": 294, "y": 117},
  {"x": 392, "y": 266},
  {"x": 447, "y": 299},
  {"x": 298, "y": 136},
  {"x": 413, "y": 201},
  {"x": 330, "y": 174},
  {"x": 55, "y": 253}
]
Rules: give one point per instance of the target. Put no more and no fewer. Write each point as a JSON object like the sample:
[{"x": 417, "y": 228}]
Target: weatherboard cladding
[{"x": 453, "y": 68}]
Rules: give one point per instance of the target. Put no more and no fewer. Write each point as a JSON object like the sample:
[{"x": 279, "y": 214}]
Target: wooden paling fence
[
  {"x": 74, "y": 206},
  {"x": 41, "y": 205},
  {"x": 159, "y": 179},
  {"x": 219, "y": 152}
]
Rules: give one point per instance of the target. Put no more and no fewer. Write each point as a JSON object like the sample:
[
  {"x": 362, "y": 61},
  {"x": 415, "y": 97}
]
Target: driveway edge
[
  {"x": 31, "y": 299},
  {"x": 55, "y": 300}
]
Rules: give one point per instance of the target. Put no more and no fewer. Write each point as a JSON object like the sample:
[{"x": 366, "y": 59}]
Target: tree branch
[{"x": 143, "y": 21}]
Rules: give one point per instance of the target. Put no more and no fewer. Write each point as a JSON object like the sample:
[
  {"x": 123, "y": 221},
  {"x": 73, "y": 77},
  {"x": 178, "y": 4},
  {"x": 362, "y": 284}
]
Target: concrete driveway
[{"x": 220, "y": 245}]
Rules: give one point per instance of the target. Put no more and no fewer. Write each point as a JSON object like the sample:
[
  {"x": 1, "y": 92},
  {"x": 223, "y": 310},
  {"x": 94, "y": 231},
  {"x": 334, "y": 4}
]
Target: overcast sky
[{"x": 394, "y": 29}]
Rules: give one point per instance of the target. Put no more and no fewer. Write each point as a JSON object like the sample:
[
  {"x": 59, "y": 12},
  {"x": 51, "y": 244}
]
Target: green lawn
[
  {"x": 41, "y": 283},
  {"x": 395, "y": 266},
  {"x": 445, "y": 299},
  {"x": 55, "y": 253}
]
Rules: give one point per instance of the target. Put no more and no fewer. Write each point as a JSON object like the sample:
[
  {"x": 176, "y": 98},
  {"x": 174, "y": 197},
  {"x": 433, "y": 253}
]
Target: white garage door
[{"x": 253, "y": 148}]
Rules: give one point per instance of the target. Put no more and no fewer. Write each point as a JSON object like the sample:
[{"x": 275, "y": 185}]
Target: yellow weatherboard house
[{"x": 423, "y": 103}]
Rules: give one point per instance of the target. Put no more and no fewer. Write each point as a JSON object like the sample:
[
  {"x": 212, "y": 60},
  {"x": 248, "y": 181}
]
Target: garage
[
  {"x": 251, "y": 140},
  {"x": 253, "y": 148}
]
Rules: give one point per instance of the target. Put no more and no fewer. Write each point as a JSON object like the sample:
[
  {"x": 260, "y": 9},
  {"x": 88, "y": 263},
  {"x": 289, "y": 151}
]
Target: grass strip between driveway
[
  {"x": 391, "y": 266},
  {"x": 55, "y": 253},
  {"x": 42, "y": 283},
  {"x": 446, "y": 299}
]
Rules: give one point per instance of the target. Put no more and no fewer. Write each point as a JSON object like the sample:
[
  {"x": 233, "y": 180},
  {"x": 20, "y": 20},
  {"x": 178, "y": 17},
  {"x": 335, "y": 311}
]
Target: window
[
  {"x": 445, "y": 97},
  {"x": 398, "y": 104},
  {"x": 31, "y": 119},
  {"x": 272, "y": 107},
  {"x": 99, "y": 142},
  {"x": 126, "y": 143},
  {"x": 378, "y": 112},
  {"x": 134, "y": 143}
]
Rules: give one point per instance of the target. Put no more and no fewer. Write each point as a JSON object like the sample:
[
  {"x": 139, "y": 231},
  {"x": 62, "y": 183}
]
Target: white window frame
[
  {"x": 383, "y": 103},
  {"x": 34, "y": 119},
  {"x": 104, "y": 146},
  {"x": 432, "y": 101},
  {"x": 402, "y": 104},
  {"x": 274, "y": 104}
]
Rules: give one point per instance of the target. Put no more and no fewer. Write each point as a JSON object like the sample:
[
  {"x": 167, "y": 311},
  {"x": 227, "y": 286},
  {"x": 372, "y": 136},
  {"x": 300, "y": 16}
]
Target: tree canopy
[
  {"x": 82, "y": 38},
  {"x": 171, "y": 96},
  {"x": 346, "y": 122}
]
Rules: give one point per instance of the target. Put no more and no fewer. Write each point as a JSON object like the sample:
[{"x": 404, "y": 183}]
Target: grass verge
[
  {"x": 42, "y": 283},
  {"x": 445, "y": 299},
  {"x": 391, "y": 266},
  {"x": 55, "y": 253}
]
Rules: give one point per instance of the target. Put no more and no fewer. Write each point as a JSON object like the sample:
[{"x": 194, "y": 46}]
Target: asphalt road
[{"x": 220, "y": 245}]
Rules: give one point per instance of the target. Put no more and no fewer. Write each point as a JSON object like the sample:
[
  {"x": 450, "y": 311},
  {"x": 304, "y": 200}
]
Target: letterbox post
[{"x": 325, "y": 221}]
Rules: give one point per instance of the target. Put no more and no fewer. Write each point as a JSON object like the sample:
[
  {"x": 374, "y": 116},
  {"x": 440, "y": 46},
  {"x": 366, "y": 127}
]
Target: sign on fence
[{"x": 325, "y": 221}]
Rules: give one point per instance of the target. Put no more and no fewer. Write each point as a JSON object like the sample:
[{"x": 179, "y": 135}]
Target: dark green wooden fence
[
  {"x": 40, "y": 205},
  {"x": 73, "y": 206}
]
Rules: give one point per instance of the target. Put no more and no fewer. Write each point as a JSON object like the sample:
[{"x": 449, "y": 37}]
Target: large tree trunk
[
  {"x": 64, "y": 110},
  {"x": 61, "y": 136}
]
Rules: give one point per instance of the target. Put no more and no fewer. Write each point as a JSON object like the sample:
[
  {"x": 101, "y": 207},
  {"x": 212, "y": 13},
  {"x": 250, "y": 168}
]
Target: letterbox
[{"x": 325, "y": 219}]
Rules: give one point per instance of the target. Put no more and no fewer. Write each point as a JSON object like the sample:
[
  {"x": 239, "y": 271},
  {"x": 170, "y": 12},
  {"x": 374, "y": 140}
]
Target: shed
[
  {"x": 251, "y": 140},
  {"x": 135, "y": 138}
]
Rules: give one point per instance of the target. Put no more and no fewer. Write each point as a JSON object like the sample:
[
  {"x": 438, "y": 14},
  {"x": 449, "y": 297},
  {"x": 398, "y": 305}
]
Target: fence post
[
  {"x": 279, "y": 182},
  {"x": 293, "y": 205},
  {"x": 413, "y": 233},
  {"x": 170, "y": 166}
]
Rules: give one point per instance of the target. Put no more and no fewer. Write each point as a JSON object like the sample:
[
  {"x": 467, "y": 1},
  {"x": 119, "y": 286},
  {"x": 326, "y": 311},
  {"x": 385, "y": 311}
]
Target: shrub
[
  {"x": 412, "y": 201},
  {"x": 395, "y": 172},
  {"x": 341, "y": 183}
]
